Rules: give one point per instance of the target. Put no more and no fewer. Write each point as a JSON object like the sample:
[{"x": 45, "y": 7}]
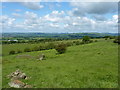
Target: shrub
[
  {"x": 19, "y": 51},
  {"x": 86, "y": 39},
  {"x": 111, "y": 37},
  {"x": 69, "y": 44},
  {"x": 42, "y": 47},
  {"x": 27, "y": 50},
  {"x": 77, "y": 42},
  {"x": 90, "y": 41},
  {"x": 12, "y": 52},
  {"x": 96, "y": 40},
  {"x": 36, "y": 48},
  {"x": 106, "y": 38},
  {"x": 50, "y": 46},
  {"x": 117, "y": 40},
  {"x": 61, "y": 48},
  {"x": 82, "y": 42}
]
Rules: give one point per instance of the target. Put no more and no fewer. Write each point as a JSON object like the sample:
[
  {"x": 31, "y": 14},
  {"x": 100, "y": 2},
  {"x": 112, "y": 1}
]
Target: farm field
[
  {"x": 93, "y": 65},
  {"x": 0, "y": 72},
  {"x": 6, "y": 48}
]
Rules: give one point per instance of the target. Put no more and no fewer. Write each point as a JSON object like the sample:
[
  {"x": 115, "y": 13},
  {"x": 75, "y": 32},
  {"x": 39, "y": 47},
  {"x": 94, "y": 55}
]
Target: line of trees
[
  {"x": 60, "y": 47},
  {"x": 38, "y": 40}
]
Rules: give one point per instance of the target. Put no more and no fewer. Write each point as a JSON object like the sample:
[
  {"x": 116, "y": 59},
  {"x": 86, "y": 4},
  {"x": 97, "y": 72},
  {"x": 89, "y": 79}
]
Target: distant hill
[{"x": 58, "y": 35}]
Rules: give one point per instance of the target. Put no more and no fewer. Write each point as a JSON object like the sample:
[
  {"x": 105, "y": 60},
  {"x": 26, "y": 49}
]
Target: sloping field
[{"x": 93, "y": 65}]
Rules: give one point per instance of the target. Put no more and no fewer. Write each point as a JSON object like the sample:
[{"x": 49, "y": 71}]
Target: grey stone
[
  {"x": 16, "y": 84},
  {"x": 42, "y": 57}
]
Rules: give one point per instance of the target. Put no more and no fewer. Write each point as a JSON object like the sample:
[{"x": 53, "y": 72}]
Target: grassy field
[
  {"x": 0, "y": 68},
  {"x": 93, "y": 65},
  {"x": 8, "y": 47}
]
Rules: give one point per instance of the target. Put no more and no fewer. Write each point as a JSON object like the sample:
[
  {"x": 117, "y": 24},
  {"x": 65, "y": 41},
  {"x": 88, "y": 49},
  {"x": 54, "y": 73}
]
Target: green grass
[
  {"x": 0, "y": 68},
  {"x": 93, "y": 65},
  {"x": 0, "y": 74},
  {"x": 6, "y": 48}
]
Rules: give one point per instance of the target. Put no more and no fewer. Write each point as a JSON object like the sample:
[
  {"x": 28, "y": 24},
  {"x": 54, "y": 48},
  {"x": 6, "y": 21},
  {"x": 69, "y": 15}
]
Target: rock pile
[
  {"x": 15, "y": 80},
  {"x": 17, "y": 75},
  {"x": 42, "y": 57}
]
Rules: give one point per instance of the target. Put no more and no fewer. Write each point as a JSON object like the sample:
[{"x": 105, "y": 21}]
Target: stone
[
  {"x": 17, "y": 75},
  {"x": 15, "y": 80},
  {"x": 23, "y": 76},
  {"x": 28, "y": 86},
  {"x": 16, "y": 84},
  {"x": 42, "y": 57}
]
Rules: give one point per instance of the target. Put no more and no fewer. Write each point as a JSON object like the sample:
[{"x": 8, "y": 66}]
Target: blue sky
[{"x": 59, "y": 17}]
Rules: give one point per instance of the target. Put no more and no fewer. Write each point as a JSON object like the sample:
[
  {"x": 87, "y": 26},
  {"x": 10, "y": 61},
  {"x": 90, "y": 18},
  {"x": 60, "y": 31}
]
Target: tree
[
  {"x": 19, "y": 51},
  {"x": 86, "y": 39},
  {"x": 61, "y": 48},
  {"x": 27, "y": 50},
  {"x": 11, "y": 52},
  {"x": 117, "y": 40}
]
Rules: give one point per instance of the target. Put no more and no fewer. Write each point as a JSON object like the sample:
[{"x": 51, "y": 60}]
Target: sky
[{"x": 59, "y": 17}]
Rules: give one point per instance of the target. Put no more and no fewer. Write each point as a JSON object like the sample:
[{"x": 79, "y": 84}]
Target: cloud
[
  {"x": 54, "y": 25},
  {"x": 6, "y": 23},
  {"x": 32, "y": 5},
  {"x": 115, "y": 18},
  {"x": 77, "y": 12},
  {"x": 99, "y": 17},
  {"x": 31, "y": 18},
  {"x": 99, "y": 8},
  {"x": 30, "y": 15},
  {"x": 55, "y": 16},
  {"x": 16, "y": 15},
  {"x": 59, "y": 21},
  {"x": 5, "y": 20},
  {"x": 18, "y": 10}
]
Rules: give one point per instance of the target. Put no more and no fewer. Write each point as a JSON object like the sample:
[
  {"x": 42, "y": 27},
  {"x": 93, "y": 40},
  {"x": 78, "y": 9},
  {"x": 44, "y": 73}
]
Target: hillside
[
  {"x": 57, "y": 35},
  {"x": 93, "y": 65}
]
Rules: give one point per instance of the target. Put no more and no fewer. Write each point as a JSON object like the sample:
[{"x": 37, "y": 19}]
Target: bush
[
  {"x": 12, "y": 52},
  {"x": 82, "y": 42},
  {"x": 90, "y": 41},
  {"x": 117, "y": 40},
  {"x": 50, "y": 46},
  {"x": 106, "y": 38},
  {"x": 61, "y": 48},
  {"x": 77, "y": 42},
  {"x": 86, "y": 39},
  {"x": 19, "y": 51},
  {"x": 36, "y": 48},
  {"x": 96, "y": 40},
  {"x": 42, "y": 47},
  {"x": 69, "y": 44},
  {"x": 27, "y": 50},
  {"x": 111, "y": 37}
]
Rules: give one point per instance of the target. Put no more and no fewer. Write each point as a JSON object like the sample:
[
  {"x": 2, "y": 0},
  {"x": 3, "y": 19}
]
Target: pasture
[{"x": 93, "y": 65}]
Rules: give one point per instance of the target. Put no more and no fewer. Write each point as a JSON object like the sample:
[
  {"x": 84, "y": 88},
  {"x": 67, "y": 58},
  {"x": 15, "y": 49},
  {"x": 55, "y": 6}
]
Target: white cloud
[
  {"x": 5, "y": 20},
  {"x": 59, "y": 21},
  {"x": 30, "y": 15},
  {"x": 6, "y": 23},
  {"x": 99, "y": 17},
  {"x": 55, "y": 16},
  {"x": 33, "y": 5},
  {"x": 16, "y": 15},
  {"x": 54, "y": 25},
  {"x": 66, "y": 25},
  {"x": 18, "y": 10},
  {"x": 115, "y": 18},
  {"x": 94, "y": 8}
]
